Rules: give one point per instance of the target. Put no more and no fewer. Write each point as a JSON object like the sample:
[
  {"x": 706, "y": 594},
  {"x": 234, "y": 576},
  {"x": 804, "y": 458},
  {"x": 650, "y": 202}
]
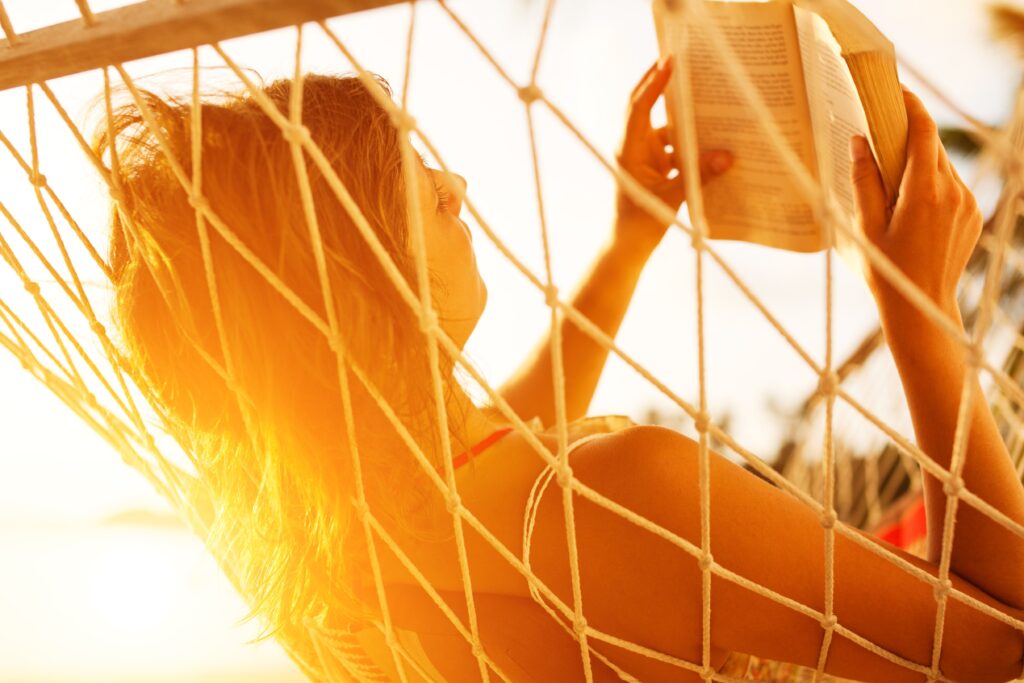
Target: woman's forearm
[
  {"x": 603, "y": 297},
  {"x": 933, "y": 366}
]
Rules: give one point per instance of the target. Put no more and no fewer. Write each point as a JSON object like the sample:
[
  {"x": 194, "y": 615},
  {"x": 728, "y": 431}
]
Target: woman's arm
[
  {"x": 643, "y": 588},
  {"x": 603, "y": 297},
  {"x": 607, "y": 289},
  {"x": 930, "y": 236}
]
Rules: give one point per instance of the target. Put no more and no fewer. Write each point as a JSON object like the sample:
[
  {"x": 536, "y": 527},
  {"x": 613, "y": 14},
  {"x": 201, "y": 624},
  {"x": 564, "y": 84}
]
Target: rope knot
[
  {"x": 97, "y": 327},
  {"x": 828, "y": 519},
  {"x": 198, "y": 203},
  {"x": 362, "y": 510},
  {"x": 823, "y": 213},
  {"x": 118, "y": 196},
  {"x": 296, "y": 134},
  {"x": 453, "y": 503},
  {"x": 942, "y": 589},
  {"x": 579, "y": 627},
  {"x": 701, "y": 422},
  {"x": 828, "y": 383},
  {"x": 829, "y": 623},
  {"x": 706, "y": 561},
  {"x": 403, "y": 120},
  {"x": 32, "y": 288},
  {"x": 232, "y": 385},
  {"x": 953, "y": 486},
  {"x": 564, "y": 476},
  {"x": 707, "y": 673},
  {"x": 478, "y": 649},
  {"x": 334, "y": 342},
  {"x": 697, "y": 239},
  {"x": 428, "y": 322},
  {"x": 974, "y": 356},
  {"x": 551, "y": 296},
  {"x": 37, "y": 180},
  {"x": 529, "y": 93}
]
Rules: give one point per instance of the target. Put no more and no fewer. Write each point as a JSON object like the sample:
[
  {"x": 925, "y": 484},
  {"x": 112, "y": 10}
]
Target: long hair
[{"x": 257, "y": 402}]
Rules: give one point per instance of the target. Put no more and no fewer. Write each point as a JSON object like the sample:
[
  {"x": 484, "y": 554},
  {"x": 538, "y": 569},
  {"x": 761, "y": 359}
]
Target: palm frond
[
  {"x": 960, "y": 141},
  {"x": 1007, "y": 24}
]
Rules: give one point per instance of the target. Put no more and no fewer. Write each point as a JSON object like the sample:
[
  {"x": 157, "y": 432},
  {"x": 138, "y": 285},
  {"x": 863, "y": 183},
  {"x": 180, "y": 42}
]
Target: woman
[{"x": 253, "y": 388}]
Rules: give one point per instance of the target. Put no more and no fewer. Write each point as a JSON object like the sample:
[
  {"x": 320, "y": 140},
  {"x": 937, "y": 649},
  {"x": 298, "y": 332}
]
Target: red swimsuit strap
[{"x": 478, "y": 448}]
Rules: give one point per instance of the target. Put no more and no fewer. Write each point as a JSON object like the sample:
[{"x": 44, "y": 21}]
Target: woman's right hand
[{"x": 932, "y": 231}]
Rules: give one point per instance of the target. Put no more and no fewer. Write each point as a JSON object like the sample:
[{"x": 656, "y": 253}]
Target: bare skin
[{"x": 641, "y": 588}]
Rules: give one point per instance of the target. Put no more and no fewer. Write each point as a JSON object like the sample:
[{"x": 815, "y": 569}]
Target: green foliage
[
  {"x": 1008, "y": 24},
  {"x": 960, "y": 141}
]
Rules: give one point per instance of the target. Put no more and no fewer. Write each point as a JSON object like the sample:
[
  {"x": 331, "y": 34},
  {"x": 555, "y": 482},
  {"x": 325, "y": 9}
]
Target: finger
[
  {"x": 657, "y": 154},
  {"x": 643, "y": 79},
  {"x": 663, "y": 162},
  {"x": 951, "y": 177},
  {"x": 868, "y": 191},
  {"x": 714, "y": 162},
  {"x": 651, "y": 87},
  {"x": 960, "y": 181},
  {"x": 947, "y": 166},
  {"x": 922, "y": 138},
  {"x": 672, "y": 190}
]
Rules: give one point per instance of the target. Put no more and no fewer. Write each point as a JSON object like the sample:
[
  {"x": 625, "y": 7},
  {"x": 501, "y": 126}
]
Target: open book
[{"x": 823, "y": 71}]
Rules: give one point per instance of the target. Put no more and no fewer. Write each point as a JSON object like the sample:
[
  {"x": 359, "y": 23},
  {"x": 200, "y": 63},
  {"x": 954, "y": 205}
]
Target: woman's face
[{"x": 459, "y": 293}]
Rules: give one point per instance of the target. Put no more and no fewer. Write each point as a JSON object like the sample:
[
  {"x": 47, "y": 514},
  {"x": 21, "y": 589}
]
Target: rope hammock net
[{"x": 61, "y": 339}]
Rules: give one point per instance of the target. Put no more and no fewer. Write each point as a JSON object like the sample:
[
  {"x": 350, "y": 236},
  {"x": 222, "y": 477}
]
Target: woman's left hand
[{"x": 646, "y": 154}]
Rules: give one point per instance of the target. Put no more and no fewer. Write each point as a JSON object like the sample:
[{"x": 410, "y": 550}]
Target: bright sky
[{"x": 85, "y": 601}]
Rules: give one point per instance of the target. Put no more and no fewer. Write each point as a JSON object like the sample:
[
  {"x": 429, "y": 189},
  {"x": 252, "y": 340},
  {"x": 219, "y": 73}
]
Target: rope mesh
[{"x": 50, "y": 347}]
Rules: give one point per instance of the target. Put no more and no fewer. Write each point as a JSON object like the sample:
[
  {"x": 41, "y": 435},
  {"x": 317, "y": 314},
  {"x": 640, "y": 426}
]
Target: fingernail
[
  {"x": 858, "y": 148},
  {"x": 664, "y": 60},
  {"x": 721, "y": 161}
]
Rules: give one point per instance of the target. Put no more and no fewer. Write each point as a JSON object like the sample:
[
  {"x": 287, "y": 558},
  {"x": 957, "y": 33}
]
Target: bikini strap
[{"x": 478, "y": 448}]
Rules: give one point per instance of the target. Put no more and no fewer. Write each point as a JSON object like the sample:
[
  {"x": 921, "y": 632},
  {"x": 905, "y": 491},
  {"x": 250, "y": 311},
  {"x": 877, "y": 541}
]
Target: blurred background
[{"x": 98, "y": 579}]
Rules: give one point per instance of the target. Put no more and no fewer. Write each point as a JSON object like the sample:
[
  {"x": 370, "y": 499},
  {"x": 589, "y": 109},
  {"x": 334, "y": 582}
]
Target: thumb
[
  {"x": 868, "y": 190},
  {"x": 714, "y": 162}
]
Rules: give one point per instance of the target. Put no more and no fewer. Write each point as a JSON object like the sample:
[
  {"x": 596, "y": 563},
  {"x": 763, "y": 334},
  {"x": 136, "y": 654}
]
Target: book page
[
  {"x": 836, "y": 110},
  {"x": 758, "y": 199}
]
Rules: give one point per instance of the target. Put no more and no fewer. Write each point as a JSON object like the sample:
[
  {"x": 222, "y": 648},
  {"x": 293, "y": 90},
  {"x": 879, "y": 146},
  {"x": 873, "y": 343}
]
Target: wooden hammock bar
[{"x": 150, "y": 28}]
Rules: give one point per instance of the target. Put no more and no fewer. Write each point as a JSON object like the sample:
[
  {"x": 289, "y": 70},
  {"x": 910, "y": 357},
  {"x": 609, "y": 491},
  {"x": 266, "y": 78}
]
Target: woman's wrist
[
  {"x": 908, "y": 329},
  {"x": 633, "y": 241},
  {"x": 898, "y": 312},
  {"x": 908, "y": 316}
]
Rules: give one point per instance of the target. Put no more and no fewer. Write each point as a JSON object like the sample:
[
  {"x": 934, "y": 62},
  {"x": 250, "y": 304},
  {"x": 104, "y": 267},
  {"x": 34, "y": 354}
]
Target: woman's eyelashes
[{"x": 444, "y": 197}]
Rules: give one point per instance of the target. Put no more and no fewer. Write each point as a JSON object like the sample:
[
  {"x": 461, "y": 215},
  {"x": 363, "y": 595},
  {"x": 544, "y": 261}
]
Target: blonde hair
[{"x": 276, "y": 462}]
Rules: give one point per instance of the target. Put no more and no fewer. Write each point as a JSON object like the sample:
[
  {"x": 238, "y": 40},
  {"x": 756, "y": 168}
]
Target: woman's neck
[
  {"x": 467, "y": 423},
  {"x": 476, "y": 424}
]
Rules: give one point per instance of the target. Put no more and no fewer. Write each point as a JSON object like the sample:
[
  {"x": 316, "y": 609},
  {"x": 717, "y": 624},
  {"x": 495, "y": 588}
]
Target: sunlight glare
[{"x": 133, "y": 586}]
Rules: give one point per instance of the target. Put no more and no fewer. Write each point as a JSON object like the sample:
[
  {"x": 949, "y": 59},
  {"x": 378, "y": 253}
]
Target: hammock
[{"x": 63, "y": 342}]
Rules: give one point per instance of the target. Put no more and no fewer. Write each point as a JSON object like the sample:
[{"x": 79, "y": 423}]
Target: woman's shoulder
[
  {"x": 616, "y": 434},
  {"x": 590, "y": 425},
  {"x": 596, "y": 424},
  {"x": 495, "y": 487},
  {"x": 513, "y": 462}
]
